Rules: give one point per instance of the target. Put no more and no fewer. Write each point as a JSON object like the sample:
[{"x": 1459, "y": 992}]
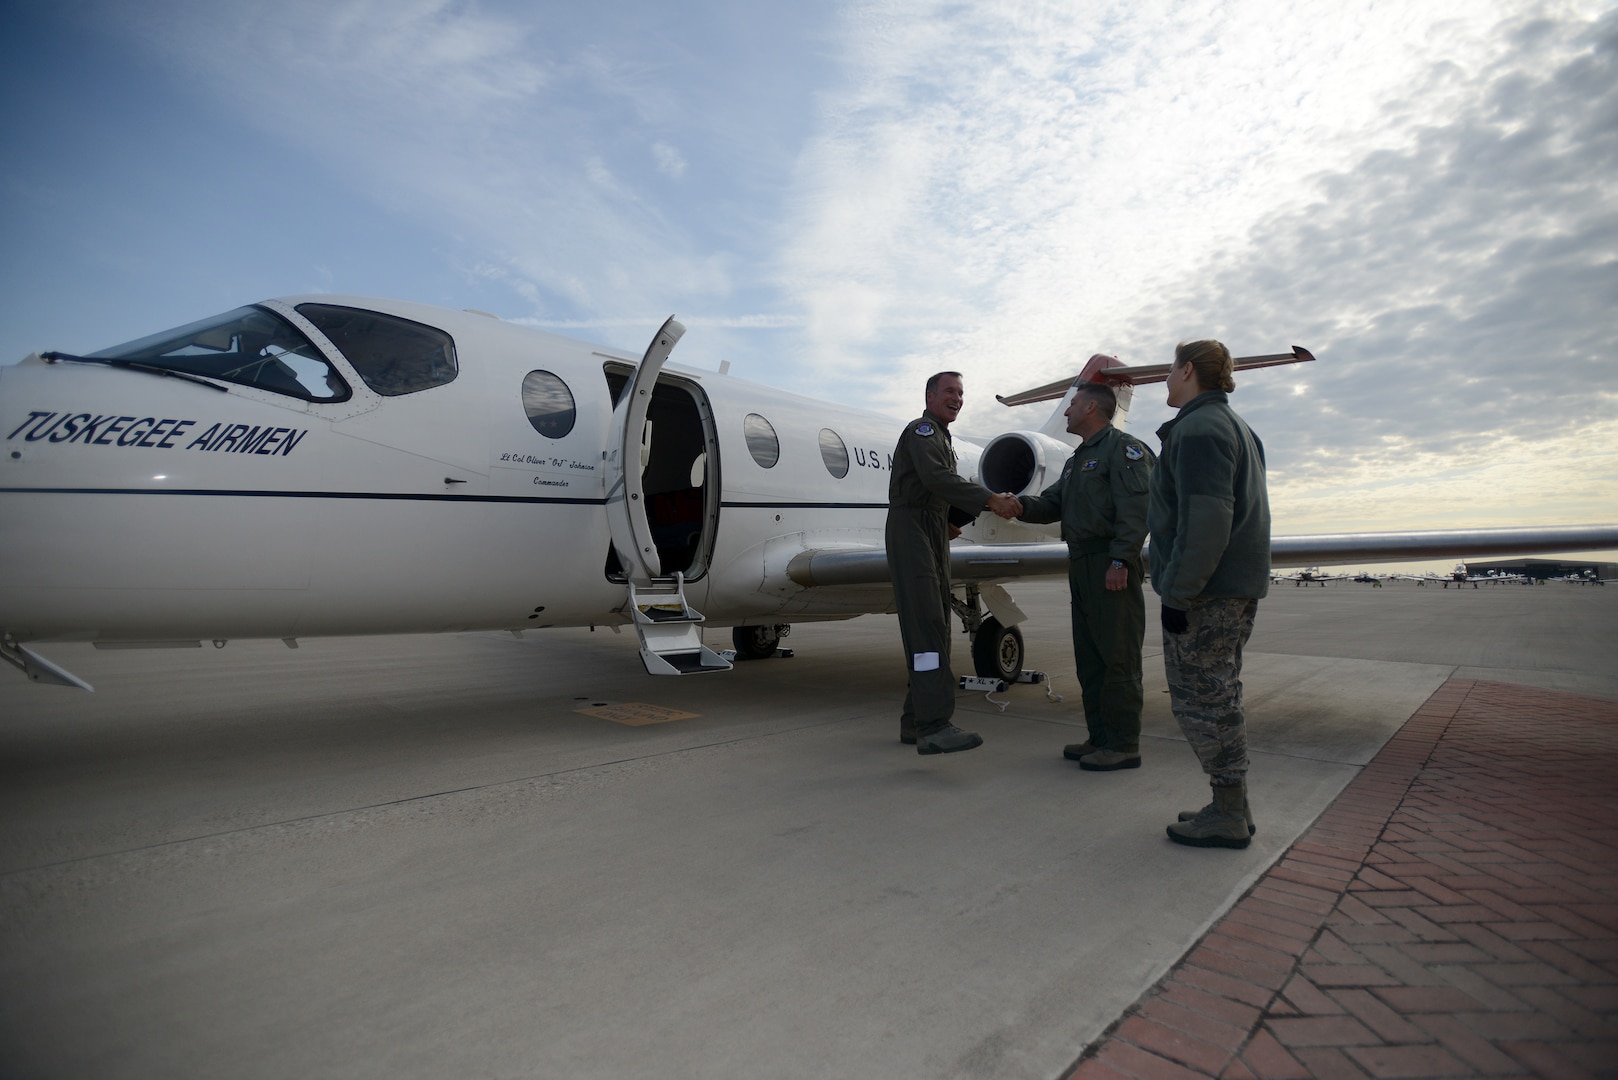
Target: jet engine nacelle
[{"x": 1022, "y": 462}]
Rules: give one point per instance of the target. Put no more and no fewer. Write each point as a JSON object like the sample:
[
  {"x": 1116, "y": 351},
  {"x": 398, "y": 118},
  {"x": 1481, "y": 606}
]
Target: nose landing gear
[
  {"x": 997, "y": 651},
  {"x": 757, "y": 642}
]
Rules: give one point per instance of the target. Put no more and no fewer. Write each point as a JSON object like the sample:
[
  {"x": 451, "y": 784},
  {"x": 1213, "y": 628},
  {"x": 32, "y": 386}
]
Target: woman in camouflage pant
[{"x": 1210, "y": 561}]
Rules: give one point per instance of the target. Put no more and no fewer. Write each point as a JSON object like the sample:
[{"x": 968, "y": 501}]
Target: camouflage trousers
[{"x": 1204, "y": 670}]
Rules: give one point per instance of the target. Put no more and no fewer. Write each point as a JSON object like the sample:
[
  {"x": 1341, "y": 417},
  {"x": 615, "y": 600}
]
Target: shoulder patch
[
  {"x": 1134, "y": 452},
  {"x": 924, "y": 428}
]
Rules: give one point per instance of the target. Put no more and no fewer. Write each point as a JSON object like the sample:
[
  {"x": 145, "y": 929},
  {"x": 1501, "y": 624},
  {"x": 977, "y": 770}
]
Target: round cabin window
[
  {"x": 762, "y": 442},
  {"x": 834, "y": 452},
  {"x": 548, "y": 403}
]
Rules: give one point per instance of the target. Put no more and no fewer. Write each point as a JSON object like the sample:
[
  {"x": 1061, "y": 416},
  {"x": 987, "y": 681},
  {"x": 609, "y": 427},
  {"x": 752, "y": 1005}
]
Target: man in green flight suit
[
  {"x": 1101, "y": 499},
  {"x": 923, "y": 488}
]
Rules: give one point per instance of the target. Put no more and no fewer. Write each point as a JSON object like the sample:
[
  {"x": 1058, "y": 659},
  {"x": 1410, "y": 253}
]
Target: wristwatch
[{"x": 1117, "y": 564}]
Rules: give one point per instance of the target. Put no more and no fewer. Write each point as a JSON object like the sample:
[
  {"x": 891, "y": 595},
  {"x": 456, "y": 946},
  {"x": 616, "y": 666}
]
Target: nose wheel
[
  {"x": 997, "y": 651},
  {"x": 757, "y": 642}
]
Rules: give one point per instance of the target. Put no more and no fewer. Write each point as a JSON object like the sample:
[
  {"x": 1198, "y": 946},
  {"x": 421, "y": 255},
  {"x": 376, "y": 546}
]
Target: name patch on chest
[{"x": 1090, "y": 465}]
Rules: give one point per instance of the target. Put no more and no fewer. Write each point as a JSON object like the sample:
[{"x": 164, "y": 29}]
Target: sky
[{"x": 841, "y": 198}]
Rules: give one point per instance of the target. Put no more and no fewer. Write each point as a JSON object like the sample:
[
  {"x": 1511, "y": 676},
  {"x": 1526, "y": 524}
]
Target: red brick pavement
[{"x": 1453, "y": 913}]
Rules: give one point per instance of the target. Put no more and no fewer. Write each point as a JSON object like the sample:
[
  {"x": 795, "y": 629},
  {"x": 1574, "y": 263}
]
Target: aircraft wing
[
  {"x": 1012, "y": 562},
  {"x": 1327, "y": 548},
  {"x": 967, "y": 562}
]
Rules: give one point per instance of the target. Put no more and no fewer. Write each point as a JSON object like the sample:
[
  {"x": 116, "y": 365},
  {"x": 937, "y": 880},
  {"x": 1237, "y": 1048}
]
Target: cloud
[
  {"x": 1454, "y": 288},
  {"x": 1425, "y": 197},
  {"x": 539, "y": 139},
  {"x": 669, "y": 160},
  {"x": 1034, "y": 172},
  {"x": 431, "y": 61},
  {"x": 638, "y": 322},
  {"x": 1019, "y": 175}
]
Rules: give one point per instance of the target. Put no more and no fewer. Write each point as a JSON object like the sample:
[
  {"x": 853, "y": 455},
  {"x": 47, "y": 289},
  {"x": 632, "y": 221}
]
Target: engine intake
[{"x": 1022, "y": 462}]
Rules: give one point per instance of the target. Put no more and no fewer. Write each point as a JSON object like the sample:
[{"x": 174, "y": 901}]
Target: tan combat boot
[
  {"x": 1247, "y": 812},
  {"x": 1109, "y": 761},
  {"x": 1222, "y": 823},
  {"x": 948, "y": 739}
]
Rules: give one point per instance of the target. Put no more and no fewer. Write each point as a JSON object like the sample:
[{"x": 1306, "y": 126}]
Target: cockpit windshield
[{"x": 250, "y": 346}]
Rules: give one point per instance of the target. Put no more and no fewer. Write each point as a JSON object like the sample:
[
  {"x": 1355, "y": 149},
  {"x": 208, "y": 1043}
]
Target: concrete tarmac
[{"x": 424, "y": 856}]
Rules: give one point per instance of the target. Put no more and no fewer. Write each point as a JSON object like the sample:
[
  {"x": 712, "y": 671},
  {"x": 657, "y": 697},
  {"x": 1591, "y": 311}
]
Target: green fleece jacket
[{"x": 1210, "y": 511}]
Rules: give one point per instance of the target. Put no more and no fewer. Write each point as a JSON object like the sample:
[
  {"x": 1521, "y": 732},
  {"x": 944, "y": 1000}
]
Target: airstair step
[
  {"x": 686, "y": 662},
  {"x": 665, "y": 613},
  {"x": 670, "y": 637}
]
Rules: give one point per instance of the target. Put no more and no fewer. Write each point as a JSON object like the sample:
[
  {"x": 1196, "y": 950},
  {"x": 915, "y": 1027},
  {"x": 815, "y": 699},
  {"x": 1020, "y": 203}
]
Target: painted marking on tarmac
[{"x": 635, "y": 713}]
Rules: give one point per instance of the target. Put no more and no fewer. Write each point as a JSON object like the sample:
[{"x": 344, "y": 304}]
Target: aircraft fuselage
[{"x": 141, "y": 507}]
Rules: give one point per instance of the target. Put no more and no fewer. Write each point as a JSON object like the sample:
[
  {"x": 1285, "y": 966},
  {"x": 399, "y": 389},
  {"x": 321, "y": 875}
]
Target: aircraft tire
[
  {"x": 755, "y": 642},
  {"x": 997, "y": 651}
]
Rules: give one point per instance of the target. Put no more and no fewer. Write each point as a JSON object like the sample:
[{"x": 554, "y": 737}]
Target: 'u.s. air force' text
[{"x": 156, "y": 434}]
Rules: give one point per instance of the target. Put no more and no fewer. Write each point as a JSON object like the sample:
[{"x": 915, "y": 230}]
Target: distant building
[{"x": 1545, "y": 569}]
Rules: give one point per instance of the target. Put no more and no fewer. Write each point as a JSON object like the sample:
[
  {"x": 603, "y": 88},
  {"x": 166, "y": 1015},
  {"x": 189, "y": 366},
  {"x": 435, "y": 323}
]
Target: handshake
[{"x": 1006, "y": 505}]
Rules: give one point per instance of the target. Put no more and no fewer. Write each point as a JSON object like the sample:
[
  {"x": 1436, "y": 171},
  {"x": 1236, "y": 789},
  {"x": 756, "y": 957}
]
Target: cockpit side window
[
  {"x": 249, "y": 346},
  {"x": 394, "y": 356}
]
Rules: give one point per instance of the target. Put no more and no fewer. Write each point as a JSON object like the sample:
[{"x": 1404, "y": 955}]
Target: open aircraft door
[
  {"x": 668, "y": 627},
  {"x": 626, "y": 497}
]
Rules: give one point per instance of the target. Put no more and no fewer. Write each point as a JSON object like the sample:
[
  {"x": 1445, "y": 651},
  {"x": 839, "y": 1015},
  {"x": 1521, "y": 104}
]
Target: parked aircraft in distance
[
  {"x": 1309, "y": 575},
  {"x": 1582, "y": 577},
  {"x": 326, "y": 465},
  {"x": 1459, "y": 577}
]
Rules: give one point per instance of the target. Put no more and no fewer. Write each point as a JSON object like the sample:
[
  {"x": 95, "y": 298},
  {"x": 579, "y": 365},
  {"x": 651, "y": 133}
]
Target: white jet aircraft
[
  {"x": 1459, "y": 577},
  {"x": 1309, "y": 575},
  {"x": 325, "y": 465}
]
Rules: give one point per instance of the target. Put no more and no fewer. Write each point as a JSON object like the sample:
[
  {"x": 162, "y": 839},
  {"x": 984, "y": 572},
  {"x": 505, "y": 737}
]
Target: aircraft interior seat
[
  {"x": 264, "y": 372},
  {"x": 675, "y": 518}
]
